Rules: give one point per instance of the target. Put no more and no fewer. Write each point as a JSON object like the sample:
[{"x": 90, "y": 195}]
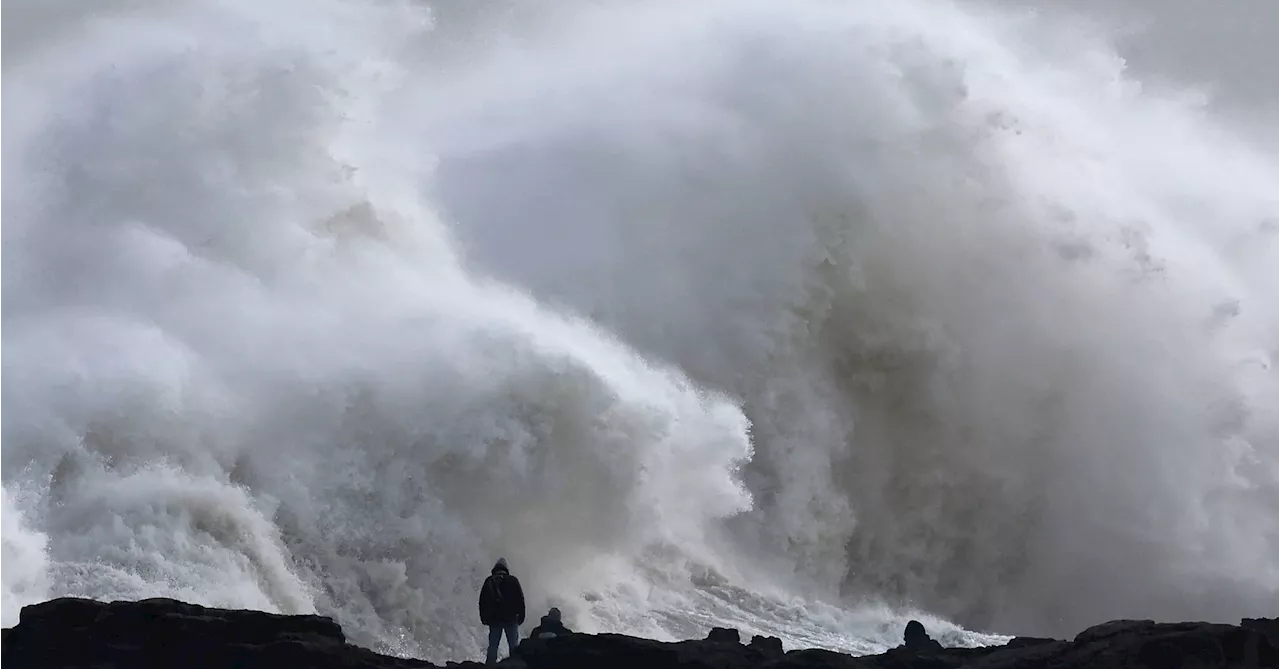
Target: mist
[{"x": 804, "y": 319}]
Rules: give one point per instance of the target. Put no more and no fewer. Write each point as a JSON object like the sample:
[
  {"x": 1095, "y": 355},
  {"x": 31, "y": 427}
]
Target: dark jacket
[
  {"x": 501, "y": 598},
  {"x": 550, "y": 627}
]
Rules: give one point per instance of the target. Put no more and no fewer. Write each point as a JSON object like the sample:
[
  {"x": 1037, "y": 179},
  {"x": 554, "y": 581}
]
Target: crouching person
[{"x": 550, "y": 626}]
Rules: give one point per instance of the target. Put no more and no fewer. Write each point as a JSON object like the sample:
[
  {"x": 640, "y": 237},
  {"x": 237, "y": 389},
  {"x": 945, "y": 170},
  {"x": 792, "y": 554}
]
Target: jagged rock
[
  {"x": 1023, "y": 641},
  {"x": 1265, "y": 625},
  {"x": 589, "y": 651},
  {"x": 915, "y": 638},
  {"x": 723, "y": 635},
  {"x": 768, "y": 646},
  {"x": 1113, "y": 628},
  {"x": 1144, "y": 643},
  {"x": 161, "y": 633},
  {"x": 69, "y": 632}
]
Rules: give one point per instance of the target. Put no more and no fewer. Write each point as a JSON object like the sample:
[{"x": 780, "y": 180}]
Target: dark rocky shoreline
[{"x": 161, "y": 633}]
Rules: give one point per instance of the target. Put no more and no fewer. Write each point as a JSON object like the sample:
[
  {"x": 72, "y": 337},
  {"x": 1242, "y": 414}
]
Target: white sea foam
[{"x": 802, "y": 318}]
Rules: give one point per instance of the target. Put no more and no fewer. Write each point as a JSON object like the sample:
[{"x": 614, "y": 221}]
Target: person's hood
[{"x": 501, "y": 566}]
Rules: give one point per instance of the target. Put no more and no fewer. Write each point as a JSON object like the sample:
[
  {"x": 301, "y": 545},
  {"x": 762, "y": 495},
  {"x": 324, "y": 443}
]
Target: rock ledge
[{"x": 160, "y": 633}]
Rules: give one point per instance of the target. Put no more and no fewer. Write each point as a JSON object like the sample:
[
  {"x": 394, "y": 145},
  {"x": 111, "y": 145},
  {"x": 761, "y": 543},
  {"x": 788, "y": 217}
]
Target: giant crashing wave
[{"x": 801, "y": 319}]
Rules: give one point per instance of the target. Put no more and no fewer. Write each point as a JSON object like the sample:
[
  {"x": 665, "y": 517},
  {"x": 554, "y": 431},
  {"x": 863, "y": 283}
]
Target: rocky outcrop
[{"x": 66, "y": 633}]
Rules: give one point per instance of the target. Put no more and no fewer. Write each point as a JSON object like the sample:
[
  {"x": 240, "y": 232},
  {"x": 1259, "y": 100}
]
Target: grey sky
[{"x": 1228, "y": 47}]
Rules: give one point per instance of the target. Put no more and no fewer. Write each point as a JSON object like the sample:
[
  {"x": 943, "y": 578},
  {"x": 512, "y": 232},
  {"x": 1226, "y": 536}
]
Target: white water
[{"x": 805, "y": 318}]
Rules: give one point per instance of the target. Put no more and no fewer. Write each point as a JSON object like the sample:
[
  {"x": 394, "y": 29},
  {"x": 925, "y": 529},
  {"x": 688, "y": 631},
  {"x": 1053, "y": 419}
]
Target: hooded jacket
[{"x": 501, "y": 597}]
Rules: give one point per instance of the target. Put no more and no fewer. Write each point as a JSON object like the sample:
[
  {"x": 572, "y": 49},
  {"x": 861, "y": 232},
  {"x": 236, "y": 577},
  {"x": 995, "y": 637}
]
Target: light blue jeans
[{"x": 495, "y": 637}]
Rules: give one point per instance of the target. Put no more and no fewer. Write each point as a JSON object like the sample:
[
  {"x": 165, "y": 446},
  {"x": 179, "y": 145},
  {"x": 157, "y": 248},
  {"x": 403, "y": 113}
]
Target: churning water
[{"x": 802, "y": 317}]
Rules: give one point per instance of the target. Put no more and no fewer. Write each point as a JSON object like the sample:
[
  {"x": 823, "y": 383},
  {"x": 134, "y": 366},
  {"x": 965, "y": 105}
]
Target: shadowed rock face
[{"x": 65, "y": 633}]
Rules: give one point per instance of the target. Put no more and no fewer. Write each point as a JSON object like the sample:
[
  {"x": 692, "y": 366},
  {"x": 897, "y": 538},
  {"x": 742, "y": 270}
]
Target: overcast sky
[{"x": 1228, "y": 46}]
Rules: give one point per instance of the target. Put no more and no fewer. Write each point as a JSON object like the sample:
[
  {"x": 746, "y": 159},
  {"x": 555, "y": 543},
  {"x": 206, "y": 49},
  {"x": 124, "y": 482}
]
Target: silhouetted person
[
  {"x": 916, "y": 638},
  {"x": 550, "y": 626},
  {"x": 502, "y": 609}
]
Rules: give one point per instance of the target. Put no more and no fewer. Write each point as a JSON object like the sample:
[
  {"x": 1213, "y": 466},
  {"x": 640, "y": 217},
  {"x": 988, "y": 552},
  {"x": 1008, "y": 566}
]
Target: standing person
[{"x": 502, "y": 609}]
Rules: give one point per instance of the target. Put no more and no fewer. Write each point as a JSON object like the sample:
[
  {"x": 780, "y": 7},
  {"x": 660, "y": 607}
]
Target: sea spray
[{"x": 803, "y": 319}]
